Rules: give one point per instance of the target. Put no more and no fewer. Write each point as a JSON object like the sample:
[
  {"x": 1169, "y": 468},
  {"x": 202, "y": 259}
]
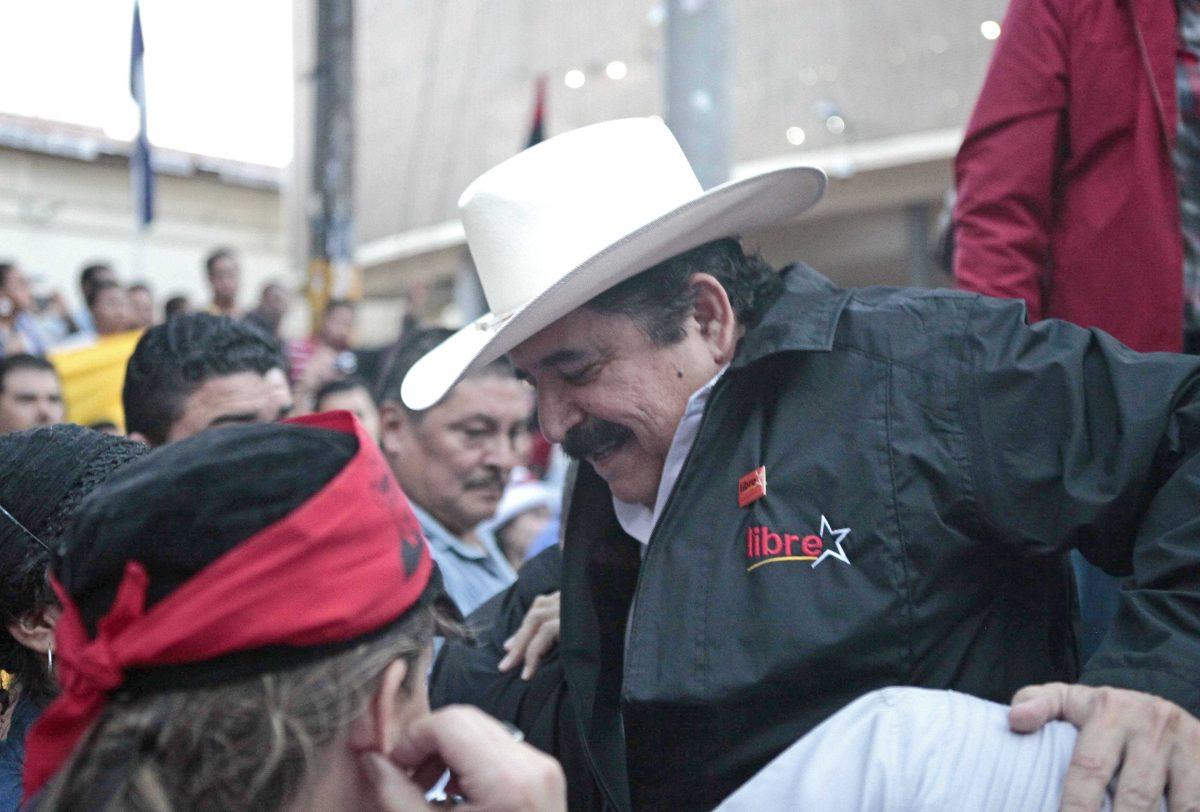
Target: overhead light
[
  {"x": 616, "y": 70},
  {"x": 795, "y": 136},
  {"x": 990, "y": 29},
  {"x": 574, "y": 79},
  {"x": 835, "y": 124}
]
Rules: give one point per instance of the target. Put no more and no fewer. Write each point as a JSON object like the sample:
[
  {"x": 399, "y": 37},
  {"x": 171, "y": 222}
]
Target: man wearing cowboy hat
[{"x": 793, "y": 494}]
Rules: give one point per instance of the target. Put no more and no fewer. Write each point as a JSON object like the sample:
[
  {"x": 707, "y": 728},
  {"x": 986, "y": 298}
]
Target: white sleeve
[{"x": 915, "y": 750}]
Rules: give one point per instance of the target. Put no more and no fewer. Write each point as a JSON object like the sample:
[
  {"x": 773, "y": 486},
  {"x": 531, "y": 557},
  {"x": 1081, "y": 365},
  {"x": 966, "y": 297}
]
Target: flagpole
[{"x": 141, "y": 170}]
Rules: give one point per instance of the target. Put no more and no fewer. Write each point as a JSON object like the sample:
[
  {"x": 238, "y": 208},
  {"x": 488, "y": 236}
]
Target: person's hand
[
  {"x": 537, "y": 635},
  {"x": 1154, "y": 743},
  {"x": 491, "y": 769}
]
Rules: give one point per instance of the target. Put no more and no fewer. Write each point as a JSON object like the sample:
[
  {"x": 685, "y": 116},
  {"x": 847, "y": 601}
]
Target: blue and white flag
[{"x": 141, "y": 172}]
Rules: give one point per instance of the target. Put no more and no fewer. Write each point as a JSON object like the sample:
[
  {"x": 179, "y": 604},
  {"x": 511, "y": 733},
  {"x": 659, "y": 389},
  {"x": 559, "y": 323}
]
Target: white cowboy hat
[{"x": 567, "y": 219}]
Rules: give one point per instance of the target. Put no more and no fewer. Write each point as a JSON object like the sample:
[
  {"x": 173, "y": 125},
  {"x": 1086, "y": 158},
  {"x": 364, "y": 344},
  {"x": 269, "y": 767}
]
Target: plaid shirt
[{"x": 1187, "y": 150}]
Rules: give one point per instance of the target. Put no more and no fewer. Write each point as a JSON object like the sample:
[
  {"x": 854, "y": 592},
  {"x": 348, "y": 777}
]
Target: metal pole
[
  {"x": 331, "y": 217},
  {"x": 697, "y": 85}
]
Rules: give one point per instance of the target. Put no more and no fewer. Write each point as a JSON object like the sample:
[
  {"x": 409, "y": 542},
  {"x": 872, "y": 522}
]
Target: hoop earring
[{"x": 50, "y": 659}]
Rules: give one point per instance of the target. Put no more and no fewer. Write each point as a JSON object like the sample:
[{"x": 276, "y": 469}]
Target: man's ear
[
  {"x": 714, "y": 316},
  {"x": 393, "y": 422},
  {"x": 34, "y": 630},
  {"x": 378, "y": 730}
]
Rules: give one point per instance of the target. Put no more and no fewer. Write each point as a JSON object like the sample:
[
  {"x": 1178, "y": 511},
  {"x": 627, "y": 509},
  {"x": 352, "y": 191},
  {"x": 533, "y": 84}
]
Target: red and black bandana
[{"x": 349, "y": 561}]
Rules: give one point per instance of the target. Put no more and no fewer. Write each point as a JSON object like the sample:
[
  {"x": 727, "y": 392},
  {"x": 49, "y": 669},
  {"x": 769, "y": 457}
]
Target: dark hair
[
  {"x": 410, "y": 349},
  {"x": 98, "y": 287},
  {"x": 22, "y": 360},
  {"x": 174, "y": 306},
  {"x": 174, "y": 359},
  {"x": 341, "y": 385},
  {"x": 44, "y": 475},
  {"x": 660, "y": 299},
  {"x": 6, "y": 267},
  {"x": 87, "y": 276},
  {"x": 216, "y": 256}
]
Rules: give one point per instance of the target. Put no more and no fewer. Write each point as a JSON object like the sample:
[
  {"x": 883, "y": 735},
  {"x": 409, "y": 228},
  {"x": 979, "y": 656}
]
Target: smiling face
[
  {"x": 454, "y": 460},
  {"x": 614, "y": 397}
]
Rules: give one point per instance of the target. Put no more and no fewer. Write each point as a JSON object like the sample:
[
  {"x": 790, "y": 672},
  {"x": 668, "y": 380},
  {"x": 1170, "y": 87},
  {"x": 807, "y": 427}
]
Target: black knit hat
[
  {"x": 184, "y": 506},
  {"x": 44, "y": 475},
  {"x": 45, "y": 472}
]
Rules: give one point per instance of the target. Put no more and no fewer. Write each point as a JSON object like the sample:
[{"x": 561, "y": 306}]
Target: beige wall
[{"x": 57, "y": 213}]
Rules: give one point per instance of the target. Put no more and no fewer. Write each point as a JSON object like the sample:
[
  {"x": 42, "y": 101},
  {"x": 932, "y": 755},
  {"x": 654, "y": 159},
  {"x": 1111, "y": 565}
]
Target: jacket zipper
[
  {"x": 587, "y": 749},
  {"x": 650, "y": 546}
]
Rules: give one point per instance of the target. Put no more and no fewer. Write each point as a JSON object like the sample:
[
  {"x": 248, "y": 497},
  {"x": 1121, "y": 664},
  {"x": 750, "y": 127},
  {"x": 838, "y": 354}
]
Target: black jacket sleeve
[
  {"x": 466, "y": 673},
  {"x": 1075, "y": 441}
]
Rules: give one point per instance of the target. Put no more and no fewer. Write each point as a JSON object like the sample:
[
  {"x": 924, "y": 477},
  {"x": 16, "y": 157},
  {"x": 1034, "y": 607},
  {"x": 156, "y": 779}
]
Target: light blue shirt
[{"x": 471, "y": 575}]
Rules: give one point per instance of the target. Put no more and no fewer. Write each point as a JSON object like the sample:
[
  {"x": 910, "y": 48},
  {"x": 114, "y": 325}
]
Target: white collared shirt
[{"x": 638, "y": 520}]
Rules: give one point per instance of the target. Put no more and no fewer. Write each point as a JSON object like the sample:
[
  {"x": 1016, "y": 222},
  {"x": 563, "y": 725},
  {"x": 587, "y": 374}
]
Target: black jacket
[
  {"x": 466, "y": 672},
  {"x": 956, "y": 454}
]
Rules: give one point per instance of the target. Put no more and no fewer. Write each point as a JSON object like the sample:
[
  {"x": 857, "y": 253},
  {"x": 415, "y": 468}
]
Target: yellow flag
[{"x": 92, "y": 378}]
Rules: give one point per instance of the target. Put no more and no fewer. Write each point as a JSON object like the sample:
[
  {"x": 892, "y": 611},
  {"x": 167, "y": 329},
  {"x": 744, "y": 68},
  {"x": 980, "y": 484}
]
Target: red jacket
[{"x": 1066, "y": 192}]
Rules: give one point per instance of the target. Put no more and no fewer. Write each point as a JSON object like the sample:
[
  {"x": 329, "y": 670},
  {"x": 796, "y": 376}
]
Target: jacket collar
[{"x": 804, "y": 317}]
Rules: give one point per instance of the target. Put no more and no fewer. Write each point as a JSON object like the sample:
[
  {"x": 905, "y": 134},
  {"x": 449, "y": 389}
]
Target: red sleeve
[{"x": 1006, "y": 167}]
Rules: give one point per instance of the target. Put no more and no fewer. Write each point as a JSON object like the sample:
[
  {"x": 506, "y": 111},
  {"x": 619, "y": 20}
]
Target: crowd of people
[{"x": 811, "y": 550}]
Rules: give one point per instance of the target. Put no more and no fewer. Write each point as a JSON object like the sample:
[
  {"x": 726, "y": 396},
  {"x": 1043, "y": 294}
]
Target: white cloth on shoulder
[{"x": 916, "y": 750}]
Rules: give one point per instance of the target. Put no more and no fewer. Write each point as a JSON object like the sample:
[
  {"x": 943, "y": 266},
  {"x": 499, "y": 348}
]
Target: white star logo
[{"x": 838, "y": 537}]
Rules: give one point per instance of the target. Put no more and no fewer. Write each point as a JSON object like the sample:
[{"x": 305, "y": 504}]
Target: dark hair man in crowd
[
  {"x": 352, "y": 395},
  {"x": 30, "y": 393},
  {"x": 454, "y": 462},
  {"x": 816, "y": 492},
  {"x": 223, "y": 272},
  {"x": 272, "y": 307},
  {"x": 177, "y": 305},
  {"x": 198, "y": 371},
  {"x": 110, "y": 308},
  {"x": 141, "y": 302},
  {"x": 19, "y": 332},
  {"x": 91, "y": 274}
]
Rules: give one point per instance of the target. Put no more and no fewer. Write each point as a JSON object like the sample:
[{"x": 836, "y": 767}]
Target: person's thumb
[
  {"x": 392, "y": 790},
  {"x": 1035, "y": 705}
]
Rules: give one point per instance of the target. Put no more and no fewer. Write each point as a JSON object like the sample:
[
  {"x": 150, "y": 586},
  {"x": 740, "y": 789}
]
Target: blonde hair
[{"x": 250, "y": 744}]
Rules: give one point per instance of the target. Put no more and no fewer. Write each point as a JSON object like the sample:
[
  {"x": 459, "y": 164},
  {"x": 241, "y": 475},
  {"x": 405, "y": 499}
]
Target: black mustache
[
  {"x": 585, "y": 439},
  {"x": 492, "y": 479}
]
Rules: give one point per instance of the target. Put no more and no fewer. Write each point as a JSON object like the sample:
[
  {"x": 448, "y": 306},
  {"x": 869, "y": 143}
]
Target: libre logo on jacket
[{"x": 767, "y": 546}]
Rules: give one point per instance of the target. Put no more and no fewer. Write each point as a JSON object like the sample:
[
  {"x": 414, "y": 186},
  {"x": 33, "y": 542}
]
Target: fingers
[
  {"x": 1184, "y": 780},
  {"x": 1152, "y": 742},
  {"x": 1144, "y": 766},
  {"x": 491, "y": 769},
  {"x": 545, "y": 608},
  {"x": 1093, "y": 764},
  {"x": 1034, "y": 706},
  {"x": 544, "y": 640},
  {"x": 390, "y": 787}
]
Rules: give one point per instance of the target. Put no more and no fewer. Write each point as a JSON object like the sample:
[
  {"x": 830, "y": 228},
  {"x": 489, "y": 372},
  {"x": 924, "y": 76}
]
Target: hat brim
[{"x": 729, "y": 210}]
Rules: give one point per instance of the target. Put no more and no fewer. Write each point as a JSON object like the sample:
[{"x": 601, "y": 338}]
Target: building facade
[
  {"x": 877, "y": 94},
  {"x": 65, "y": 201}
]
